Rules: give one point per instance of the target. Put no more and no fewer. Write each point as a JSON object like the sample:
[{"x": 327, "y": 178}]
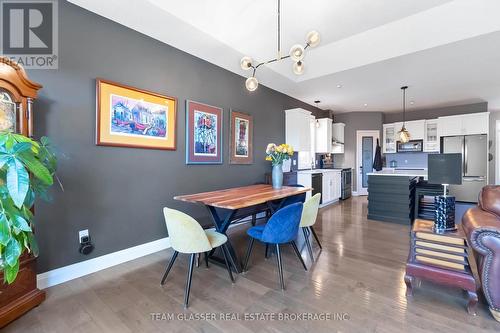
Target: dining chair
[
  {"x": 282, "y": 228},
  {"x": 309, "y": 215},
  {"x": 288, "y": 201},
  {"x": 187, "y": 236}
]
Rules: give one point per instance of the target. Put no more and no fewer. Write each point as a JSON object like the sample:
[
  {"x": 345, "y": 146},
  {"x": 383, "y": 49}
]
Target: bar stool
[
  {"x": 282, "y": 228},
  {"x": 308, "y": 219},
  {"x": 187, "y": 236}
]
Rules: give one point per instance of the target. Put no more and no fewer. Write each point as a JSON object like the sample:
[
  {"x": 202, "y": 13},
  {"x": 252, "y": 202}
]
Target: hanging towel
[{"x": 377, "y": 161}]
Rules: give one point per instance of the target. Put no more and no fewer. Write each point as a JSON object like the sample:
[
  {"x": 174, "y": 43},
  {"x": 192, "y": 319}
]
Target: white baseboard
[
  {"x": 70, "y": 272},
  {"x": 79, "y": 269},
  {"x": 354, "y": 193}
]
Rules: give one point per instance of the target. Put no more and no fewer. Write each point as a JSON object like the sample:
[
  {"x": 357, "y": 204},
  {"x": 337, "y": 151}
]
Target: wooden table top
[{"x": 241, "y": 197}]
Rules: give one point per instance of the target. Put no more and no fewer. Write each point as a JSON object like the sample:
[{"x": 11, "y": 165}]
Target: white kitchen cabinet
[
  {"x": 326, "y": 191},
  {"x": 298, "y": 130},
  {"x": 431, "y": 138},
  {"x": 323, "y": 135},
  {"x": 305, "y": 179},
  {"x": 338, "y": 138},
  {"x": 475, "y": 123},
  {"x": 416, "y": 129},
  {"x": 389, "y": 137},
  {"x": 332, "y": 183},
  {"x": 338, "y": 132},
  {"x": 466, "y": 124}
]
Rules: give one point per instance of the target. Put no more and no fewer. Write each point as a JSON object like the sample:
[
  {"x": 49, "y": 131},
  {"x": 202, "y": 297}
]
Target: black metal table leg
[{"x": 221, "y": 225}]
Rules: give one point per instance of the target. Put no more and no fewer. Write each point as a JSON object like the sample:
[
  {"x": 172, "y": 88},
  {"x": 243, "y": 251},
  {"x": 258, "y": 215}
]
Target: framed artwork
[
  {"x": 241, "y": 138},
  {"x": 203, "y": 133},
  {"x": 131, "y": 117}
]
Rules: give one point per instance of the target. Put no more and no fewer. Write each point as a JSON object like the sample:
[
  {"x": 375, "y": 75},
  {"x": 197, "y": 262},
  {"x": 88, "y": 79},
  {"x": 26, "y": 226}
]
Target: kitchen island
[{"x": 391, "y": 194}]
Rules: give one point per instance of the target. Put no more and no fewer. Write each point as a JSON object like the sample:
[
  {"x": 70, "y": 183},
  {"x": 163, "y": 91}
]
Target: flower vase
[{"x": 278, "y": 176}]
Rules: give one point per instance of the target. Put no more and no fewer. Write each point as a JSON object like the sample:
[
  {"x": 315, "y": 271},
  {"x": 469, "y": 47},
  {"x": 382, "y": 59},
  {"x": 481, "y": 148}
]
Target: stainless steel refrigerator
[{"x": 474, "y": 150}]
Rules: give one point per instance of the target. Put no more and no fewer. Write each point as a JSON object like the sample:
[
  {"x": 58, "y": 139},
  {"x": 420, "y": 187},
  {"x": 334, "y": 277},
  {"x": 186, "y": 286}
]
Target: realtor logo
[{"x": 30, "y": 32}]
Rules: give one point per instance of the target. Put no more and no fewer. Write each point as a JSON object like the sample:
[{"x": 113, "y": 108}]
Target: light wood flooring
[{"x": 359, "y": 272}]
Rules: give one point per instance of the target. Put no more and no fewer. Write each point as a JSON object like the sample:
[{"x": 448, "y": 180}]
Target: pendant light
[
  {"x": 404, "y": 135},
  {"x": 297, "y": 54}
]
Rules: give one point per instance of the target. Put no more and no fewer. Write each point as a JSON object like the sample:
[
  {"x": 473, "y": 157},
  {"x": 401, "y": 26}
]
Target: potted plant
[
  {"x": 27, "y": 170},
  {"x": 278, "y": 154}
]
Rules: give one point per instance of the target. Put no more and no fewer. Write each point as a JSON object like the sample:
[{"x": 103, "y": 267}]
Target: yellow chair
[
  {"x": 187, "y": 236},
  {"x": 309, "y": 214}
]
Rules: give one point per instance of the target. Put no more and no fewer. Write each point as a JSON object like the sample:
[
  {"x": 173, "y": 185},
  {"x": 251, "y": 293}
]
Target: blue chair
[
  {"x": 282, "y": 228},
  {"x": 287, "y": 202}
]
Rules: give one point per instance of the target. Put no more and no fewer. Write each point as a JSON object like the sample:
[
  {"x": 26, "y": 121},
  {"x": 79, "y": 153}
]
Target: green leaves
[
  {"x": 4, "y": 230},
  {"x": 27, "y": 169},
  {"x": 17, "y": 181},
  {"x": 12, "y": 252},
  {"x": 10, "y": 273}
]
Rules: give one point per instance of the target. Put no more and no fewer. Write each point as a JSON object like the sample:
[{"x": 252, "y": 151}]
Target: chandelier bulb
[
  {"x": 246, "y": 63},
  {"x": 298, "y": 67},
  {"x": 313, "y": 38},
  {"x": 252, "y": 83},
  {"x": 297, "y": 52}
]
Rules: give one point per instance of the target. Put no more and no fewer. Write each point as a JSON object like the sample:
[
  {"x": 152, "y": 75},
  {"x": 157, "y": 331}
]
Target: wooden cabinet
[
  {"x": 389, "y": 137},
  {"x": 323, "y": 135},
  {"x": 431, "y": 138},
  {"x": 466, "y": 124},
  {"x": 298, "y": 129},
  {"x": 17, "y": 94}
]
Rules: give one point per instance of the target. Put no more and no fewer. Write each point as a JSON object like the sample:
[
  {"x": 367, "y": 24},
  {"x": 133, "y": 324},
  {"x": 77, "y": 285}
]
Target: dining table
[{"x": 228, "y": 205}]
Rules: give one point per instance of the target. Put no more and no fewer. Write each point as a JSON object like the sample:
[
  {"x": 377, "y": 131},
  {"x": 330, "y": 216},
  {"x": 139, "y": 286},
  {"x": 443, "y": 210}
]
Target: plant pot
[{"x": 277, "y": 176}]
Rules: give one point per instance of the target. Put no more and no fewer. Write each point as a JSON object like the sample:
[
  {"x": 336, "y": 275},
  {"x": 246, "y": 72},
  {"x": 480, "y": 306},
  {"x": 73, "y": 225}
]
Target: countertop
[
  {"x": 401, "y": 172},
  {"x": 309, "y": 171}
]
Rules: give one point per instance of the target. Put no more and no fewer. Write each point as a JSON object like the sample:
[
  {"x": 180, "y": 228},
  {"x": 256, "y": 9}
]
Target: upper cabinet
[
  {"x": 431, "y": 139},
  {"x": 466, "y": 124},
  {"x": 298, "y": 129},
  {"x": 338, "y": 132},
  {"x": 389, "y": 136},
  {"x": 416, "y": 129},
  {"x": 323, "y": 135},
  {"x": 338, "y": 138}
]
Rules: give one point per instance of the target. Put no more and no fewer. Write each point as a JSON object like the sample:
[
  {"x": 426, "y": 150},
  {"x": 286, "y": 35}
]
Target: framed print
[
  {"x": 131, "y": 117},
  {"x": 203, "y": 133},
  {"x": 241, "y": 144}
]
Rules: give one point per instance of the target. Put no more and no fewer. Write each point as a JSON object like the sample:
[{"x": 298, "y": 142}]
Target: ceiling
[{"x": 446, "y": 51}]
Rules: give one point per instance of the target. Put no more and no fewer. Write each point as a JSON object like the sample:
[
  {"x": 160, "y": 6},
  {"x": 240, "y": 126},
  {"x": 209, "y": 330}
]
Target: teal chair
[
  {"x": 308, "y": 219},
  {"x": 187, "y": 236}
]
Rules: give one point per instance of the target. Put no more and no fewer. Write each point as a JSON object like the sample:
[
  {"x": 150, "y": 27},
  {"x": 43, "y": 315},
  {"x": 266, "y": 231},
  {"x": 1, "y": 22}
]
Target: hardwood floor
[{"x": 359, "y": 273}]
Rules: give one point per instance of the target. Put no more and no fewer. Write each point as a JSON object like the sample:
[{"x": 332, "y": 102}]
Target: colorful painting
[
  {"x": 241, "y": 147},
  {"x": 204, "y": 133},
  {"x": 135, "y": 117},
  {"x": 131, "y": 117}
]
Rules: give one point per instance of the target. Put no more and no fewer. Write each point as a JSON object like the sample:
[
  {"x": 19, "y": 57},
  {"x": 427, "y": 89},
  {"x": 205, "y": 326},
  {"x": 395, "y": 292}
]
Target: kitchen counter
[
  {"x": 311, "y": 171},
  {"x": 391, "y": 195},
  {"x": 400, "y": 172}
]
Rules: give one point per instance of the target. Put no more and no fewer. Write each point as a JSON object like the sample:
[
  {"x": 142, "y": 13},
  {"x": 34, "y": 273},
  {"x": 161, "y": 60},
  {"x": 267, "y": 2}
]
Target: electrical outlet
[
  {"x": 83, "y": 233},
  {"x": 294, "y": 162}
]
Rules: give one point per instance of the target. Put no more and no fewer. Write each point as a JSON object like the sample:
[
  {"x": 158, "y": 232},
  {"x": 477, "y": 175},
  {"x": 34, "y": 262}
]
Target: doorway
[{"x": 366, "y": 143}]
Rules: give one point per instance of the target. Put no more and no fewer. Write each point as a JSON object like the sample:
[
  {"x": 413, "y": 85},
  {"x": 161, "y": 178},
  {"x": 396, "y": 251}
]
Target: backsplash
[{"x": 407, "y": 160}]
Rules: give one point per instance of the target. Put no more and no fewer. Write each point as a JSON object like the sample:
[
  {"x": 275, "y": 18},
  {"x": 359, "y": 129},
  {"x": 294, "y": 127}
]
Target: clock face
[{"x": 7, "y": 113}]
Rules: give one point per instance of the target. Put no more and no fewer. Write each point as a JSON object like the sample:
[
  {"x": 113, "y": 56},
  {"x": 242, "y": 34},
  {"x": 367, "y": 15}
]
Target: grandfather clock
[{"x": 17, "y": 94}]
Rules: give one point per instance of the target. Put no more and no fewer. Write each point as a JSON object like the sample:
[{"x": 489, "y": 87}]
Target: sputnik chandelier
[{"x": 297, "y": 53}]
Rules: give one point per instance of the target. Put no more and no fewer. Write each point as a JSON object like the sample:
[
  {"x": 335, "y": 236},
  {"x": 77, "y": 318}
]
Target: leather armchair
[{"x": 482, "y": 228}]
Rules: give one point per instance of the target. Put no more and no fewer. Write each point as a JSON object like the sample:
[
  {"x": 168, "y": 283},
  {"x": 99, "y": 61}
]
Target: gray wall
[
  {"x": 355, "y": 121},
  {"x": 118, "y": 193}
]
